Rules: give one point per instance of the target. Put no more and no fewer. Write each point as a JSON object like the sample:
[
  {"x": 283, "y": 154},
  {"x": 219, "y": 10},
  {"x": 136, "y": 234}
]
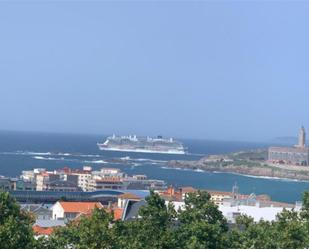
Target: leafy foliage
[
  {"x": 154, "y": 229},
  {"x": 84, "y": 233},
  {"x": 197, "y": 225},
  {"x": 202, "y": 225},
  {"x": 15, "y": 225}
]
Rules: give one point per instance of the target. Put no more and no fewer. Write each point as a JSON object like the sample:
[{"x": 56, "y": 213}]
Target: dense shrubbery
[
  {"x": 200, "y": 225},
  {"x": 15, "y": 225}
]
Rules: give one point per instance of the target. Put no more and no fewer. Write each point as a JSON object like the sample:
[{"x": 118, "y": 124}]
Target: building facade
[
  {"x": 286, "y": 155},
  {"x": 67, "y": 179},
  {"x": 70, "y": 210},
  {"x": 297, "y": 155}
]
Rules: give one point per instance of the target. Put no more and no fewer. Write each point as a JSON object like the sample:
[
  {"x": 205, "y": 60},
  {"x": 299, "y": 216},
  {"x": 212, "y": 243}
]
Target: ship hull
[{"x": 172, "y": 152}]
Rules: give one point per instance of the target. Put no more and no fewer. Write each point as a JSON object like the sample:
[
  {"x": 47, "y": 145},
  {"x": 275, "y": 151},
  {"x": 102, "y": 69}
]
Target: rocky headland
[{"x": 253, "y": 163}]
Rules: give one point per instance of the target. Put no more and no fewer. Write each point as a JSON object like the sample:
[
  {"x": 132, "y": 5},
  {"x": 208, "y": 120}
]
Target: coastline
[
  {"x": 258, "y": 171},
  {"x": 264, "y": 177},
  {"x": 239, "y": 174}
]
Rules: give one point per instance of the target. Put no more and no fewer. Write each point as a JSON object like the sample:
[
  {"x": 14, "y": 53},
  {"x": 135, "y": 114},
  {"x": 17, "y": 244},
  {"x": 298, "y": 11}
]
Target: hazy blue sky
[{"x": 227, "y": 70}]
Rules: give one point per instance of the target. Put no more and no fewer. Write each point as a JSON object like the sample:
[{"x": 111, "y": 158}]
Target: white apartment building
[{"x": 84, "y": 178}]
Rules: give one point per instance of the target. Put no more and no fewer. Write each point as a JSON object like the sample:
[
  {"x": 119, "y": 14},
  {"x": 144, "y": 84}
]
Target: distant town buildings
[
  {"x": 231, "y": 204},
  {"x": 7, "y": 183},
  {"x": 126, "y": 205},
  {"x": 67, "y": 194},
  {"x": 85, "y": 179},
  {"x": 297, "y": 155},
  {"x": 220, "y": 198}
]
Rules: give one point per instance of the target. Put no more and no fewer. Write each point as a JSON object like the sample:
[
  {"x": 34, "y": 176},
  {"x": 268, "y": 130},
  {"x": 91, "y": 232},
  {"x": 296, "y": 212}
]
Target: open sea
[{"x": 20, "y": 151}]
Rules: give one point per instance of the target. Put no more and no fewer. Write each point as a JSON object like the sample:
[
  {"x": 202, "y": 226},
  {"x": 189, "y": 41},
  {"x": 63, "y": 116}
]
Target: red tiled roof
[
  {"x": 188, "y": 190},
  {"x": 118, "y": 213},
  {"x": 44, "y": 173},
  {"x": 79, "y": 207},
  {"x": 263, "y": 197},
  {"x": 68, "y": 170},
  {"x": 42, "y": 230}
]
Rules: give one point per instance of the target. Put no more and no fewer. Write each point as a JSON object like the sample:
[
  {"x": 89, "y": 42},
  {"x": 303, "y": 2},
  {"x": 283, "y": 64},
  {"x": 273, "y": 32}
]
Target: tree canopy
[
  {"x": 197, "y": 225},
  {"x": 15, "y": 225}
]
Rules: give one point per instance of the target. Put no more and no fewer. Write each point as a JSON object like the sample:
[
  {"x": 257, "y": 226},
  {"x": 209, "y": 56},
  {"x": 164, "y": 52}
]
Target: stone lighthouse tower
[{"x": 302, "y": 138}]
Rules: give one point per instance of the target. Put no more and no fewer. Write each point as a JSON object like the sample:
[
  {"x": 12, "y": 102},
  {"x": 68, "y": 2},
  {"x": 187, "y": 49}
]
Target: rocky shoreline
[{"x": 259, "y": 170}]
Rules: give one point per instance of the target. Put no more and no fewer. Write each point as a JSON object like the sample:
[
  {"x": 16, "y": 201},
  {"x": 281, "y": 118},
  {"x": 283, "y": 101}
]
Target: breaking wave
[
  {"x": 96, "y": 161},
  {"x": 64, "y": 154},
  {"x": 33, "y": 153},
  {"x": 88, "y": 155},
  {"x": 152, "y": 161},
  {"x": 47, "y": 158},
  {"x": 27, "y": 153}
]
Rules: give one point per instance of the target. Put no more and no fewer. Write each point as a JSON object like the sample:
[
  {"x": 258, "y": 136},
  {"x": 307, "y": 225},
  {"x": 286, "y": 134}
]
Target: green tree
[
  {"x": 202, "y": 225},
  {"x": 198, "y": 225},
  {"x": 86, "y": 233},
  {"x": 305, "y": 206},
  {"x": 15, "y": 225},
  {"x": 291, "y": 230},
  {"x": 153, "y": 229},
  {"x": 287, "y": 232},
  {"x": 248, "y": 234}
]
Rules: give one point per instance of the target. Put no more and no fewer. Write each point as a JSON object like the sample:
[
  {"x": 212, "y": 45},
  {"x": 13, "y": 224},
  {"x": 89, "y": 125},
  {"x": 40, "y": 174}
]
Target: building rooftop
[
  {"x": 132, "y": 209},
  {"x": 49, "y": 223},
  {"x": 140, "y": 193},
  {"x": 68, "y": 170},
  {"x": 129, "y": 196},
  {"x": 217, "y": 192},
  {"x": 79, "y": 207},
  {"x": 118, "y": 213},
  {"x": 34, "y": 208},
  {"x": 188, "y": 189},
  {"x": 42, "y": 230},
  {"x": 109, "y": 179},
  {"x": 257, "y": 213}
]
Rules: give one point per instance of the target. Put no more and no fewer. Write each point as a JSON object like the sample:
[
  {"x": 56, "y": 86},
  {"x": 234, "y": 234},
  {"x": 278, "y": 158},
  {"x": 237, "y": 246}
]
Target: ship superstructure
[{"x": 142, "y": 144}]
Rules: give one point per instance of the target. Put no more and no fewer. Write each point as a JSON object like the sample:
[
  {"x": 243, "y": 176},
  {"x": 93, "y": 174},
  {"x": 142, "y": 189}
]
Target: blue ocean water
[{"x": 20, "y": 151}]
